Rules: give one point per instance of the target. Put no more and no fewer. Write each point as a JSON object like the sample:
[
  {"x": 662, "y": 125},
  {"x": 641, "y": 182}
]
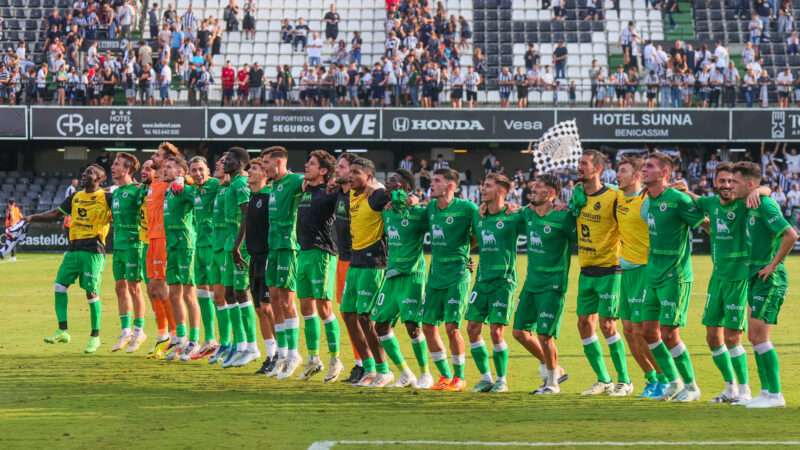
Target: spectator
[
  {"x": 711, "y": 166},
  {"x": 560, "y": 60},
  {"x": 331, "y": 19},
  {"x": 300, "y": 35},
  {"x": 287, "y": 32},
  {"x": 440, "y": 163},
  {"x": 231, "y": 16},
  {"x": 314, "y": 50},
  {"x": 531, "y": 56},
  {"x": 670, "y": 7},
  {"x": 355, "y": 48},
  {"x": 793, "y": 200},
  {"x": 165, "y": 79},
  {"x": 779, "y": 196},
  {"x": 13, "y": 215},
  {"x": 72, "y": 188},
  {"x": 764, "y": 12},
  {"x": 152, "y": 20},
  {"x": 424, "y": 175},
  {"x": 793, "y": 44},
  {"x": 228, "y": 75},
  {"x": 243, "y": 85},
  {"x": 505, "y": 82},
  {"x": 784, "y": 82},
  {"x": 472, "y": 81},
  {"x": 785, "y": 18},
  {"x": 792, "y": 160},
  {"x": 756, "y": 28},
  {"x": 249, "y": 21},
  {"x": 407, "y": 163},
  {"x": 256, "y": 84},
  {"x": 466, "y": 33}
]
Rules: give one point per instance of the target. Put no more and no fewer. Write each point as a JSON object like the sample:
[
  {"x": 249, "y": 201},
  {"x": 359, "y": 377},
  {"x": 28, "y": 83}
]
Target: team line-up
[{"x": 236, "y": 247}]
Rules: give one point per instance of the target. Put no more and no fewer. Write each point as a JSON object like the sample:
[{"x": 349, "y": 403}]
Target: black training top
[
  {"x": 257, "y": 223},
  {"x": 315, "y": 219},
  {"x": 344, "y": 241}
]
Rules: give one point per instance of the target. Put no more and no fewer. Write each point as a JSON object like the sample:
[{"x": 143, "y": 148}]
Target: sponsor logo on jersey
[
  {"x": 452, "y": 301},
  {"x": 437, "y": 232},
  {"x": 488, "y": 238},
  {"x": 365, "y": 293},
  {"x": 392, "y": 233},
  {"x": 722, "y": 227},
  {"x": 535, "y": 239}
]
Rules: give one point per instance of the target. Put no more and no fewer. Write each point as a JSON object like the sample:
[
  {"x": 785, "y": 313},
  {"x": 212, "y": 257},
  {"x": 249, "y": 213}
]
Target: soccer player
[
  {"x": 451, "y": 226},
  {"x": 366, "y": 272},
  {"x": 180, "y": 232},
  {"x": 237, "y": 260},
  {"x": 670, "y": 215},
  {"x": 206, "y": 188},
  {"x": 541, "y": 303},
  {"x": 90, "y": 209},
  {"x": 599, "y": 280},
  {"x": 316, "y": 263},
  {"x": 491, "y": 298},
  {"x": 126, "y": 204},
  {"x": 255, "y": 238},
  {"x": 402, "y": 292},
  {"x": 634, "y": 244},
  {"x": 771, "y": 239},
  {"x": 281, "y": 273},
  {"x": 217, "y": 269}
]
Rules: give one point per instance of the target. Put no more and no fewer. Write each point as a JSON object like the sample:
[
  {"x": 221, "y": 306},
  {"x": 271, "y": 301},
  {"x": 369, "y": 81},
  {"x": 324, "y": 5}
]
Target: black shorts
[
  {"x": 258, "y": 281},
  {"x": 457, "y": 94},
  {"x": 522, "y": 92},
  {"x": 472, "y": 96},
  {"x": 331, "y": 33}
]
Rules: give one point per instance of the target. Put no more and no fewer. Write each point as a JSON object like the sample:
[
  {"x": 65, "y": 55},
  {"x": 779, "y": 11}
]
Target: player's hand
[
  {"x": 471, "y": 265},
  {"x": 304, "y": 185},
  {"x": 332, "y": 185},
  {"x": 388, "y": 206},
  {"x": 753, "y": 199},
  {"x": 413, "y": 200},
  {"x": 766, "y": 272},
  {"x": 511, "y": 208},
  {"x": 558, "y": 205},
  {"x": 237, "y": 258},
  {"x": 482, "y": 210},
  {"x": 177, "y": 186},
  {"x": 680, "y": 186}
]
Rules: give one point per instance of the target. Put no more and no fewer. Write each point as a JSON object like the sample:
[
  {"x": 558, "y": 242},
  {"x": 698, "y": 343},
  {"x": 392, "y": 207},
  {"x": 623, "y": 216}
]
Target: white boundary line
[{"x": 326, "y": 445}]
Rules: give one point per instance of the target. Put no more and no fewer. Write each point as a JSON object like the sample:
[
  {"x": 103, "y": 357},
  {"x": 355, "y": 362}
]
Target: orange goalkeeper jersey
[{"x": 154, "y": 203}]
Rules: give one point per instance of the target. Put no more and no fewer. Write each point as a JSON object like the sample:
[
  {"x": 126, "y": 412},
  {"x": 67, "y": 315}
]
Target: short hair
[
  {"x": 169, "y": 148},
  {"x": 748, "y": 169},
  {"x": 240, "y": 154},
  {"x": 326, "y": 161},
  {"x": 663, "y": 159},
  {"x": 500, "y": 179},
  {"x": 634, "y": 161},
  {"x": 131, "y": 161},
  {"x": 350, "y": 157},
  {"x": 448, "y": 174},
  {"x": 180, "y": 162},
  {"x": 725, "y": 167},
  {"x": 276, "y": 151},
  {"x": 100, "y": 169},
  {"x": 406, "y": 177},
  {"x": 365, "y": 163},
  {"x": 550, "y": 180},
  {"x": 198, "y": 159},
  {"x": 598, "y": 157}
]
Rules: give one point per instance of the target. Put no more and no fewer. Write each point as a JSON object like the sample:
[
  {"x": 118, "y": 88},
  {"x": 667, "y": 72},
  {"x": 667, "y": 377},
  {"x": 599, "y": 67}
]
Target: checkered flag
[
  {"x": 13, "y": 236},
  {"x": 558, "y": 149}
]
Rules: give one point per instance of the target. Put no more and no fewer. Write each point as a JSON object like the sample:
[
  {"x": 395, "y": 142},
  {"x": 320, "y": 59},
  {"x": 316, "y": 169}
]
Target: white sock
[
  {"x": 487, "y": 377},
  {"x": 499, "y": 379},
  {"x": 270, "y": 346},
  {"x": 126, "y": 331},
  {"x": 252, "y": 347},
  {"x": 294, "y": 353},
  {"x": 552, "y": 377}
]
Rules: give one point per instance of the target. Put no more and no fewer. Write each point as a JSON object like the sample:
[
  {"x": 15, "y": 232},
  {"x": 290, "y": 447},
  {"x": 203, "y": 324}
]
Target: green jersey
[
  {"x": 283, "y": 204},
  {"x": 179, "y": 218},
  {"x": 497, "y": 245},
  {"x": 220, "y": 223},
  {"x": 126, "y": 204},
  {"x": 451, "y": 231},
  {"x": 549, "y": 240},
  {"x": 237, "y": 194},
  {"x": 669, "y": 217},
  {"x": 728, "y": 237},
  {"x": 204, "y": 211},
  {"x": 405, "y": 231},
  {"x": 765, "y": 227}
]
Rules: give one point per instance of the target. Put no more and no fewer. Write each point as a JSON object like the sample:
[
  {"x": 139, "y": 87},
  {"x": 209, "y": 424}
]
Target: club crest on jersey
[
  {"x": 662, "y": 207},
  {"x": 259, "y": 203},
  {"x": 124, "y": 195},
  {"x": 500, "y": 225},
  {"x": 547, "y": 229},
  {"x": 404, "y": 223},
  {"x": 597, "y": 206},
  {"x": 449, "y": 220},
  {"x": 731, "y": 215},
  {"x": 752, "y": 220},
  {"x": 280, "y": 187}
]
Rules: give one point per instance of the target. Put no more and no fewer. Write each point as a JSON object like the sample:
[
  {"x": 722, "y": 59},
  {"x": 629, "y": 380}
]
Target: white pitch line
[{"x": 327, "y": 445}]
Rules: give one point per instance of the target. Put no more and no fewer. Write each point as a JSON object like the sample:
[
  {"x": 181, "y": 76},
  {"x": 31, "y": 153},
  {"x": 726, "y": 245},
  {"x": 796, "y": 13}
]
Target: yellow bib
[
  {"x": 143, "y": 224},
  {"x": 635, "y": 236},
  {"x": 598, "y": 233},
  {"x": 91, "y": 216},
  {"x": 366, "y": 225}
]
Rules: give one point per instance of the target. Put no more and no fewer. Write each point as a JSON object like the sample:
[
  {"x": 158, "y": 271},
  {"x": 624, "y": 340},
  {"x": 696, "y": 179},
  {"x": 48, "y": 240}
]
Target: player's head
[
  {"x": 125, "y": 164},
  {"x": 343, "y": 167},
  {"x": 256, "y": 172},
  {"x": 276, "y": 159},
  {"x": 591, "y": 165},
  {"x": 723, "y": 182},
  {"x": 746, "y": 177},
  {"x": 165, "y": 150},
  {"x": 545, "y": 190},
  {"x": 400, "y": 180},
  {"x": 319, "y": 167},
  {"x": 236, "y": 160},
  {"x": 93, "y": 176},
  {"x": 495, "y": 187},
  {"x": 147, "y": 171},
  {"x": 657, "y": 169},
  {"x": 629, "y": 172},
  {"x": 173, "y": 168},
  {"x": 362, "y": 171},
  {"x": 444, "y": 181},
  {"x": 198, "y": 169},
  {"x": 219, "y": 167}
]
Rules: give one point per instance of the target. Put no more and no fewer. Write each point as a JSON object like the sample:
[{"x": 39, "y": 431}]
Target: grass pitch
[{"x": 54, "y": 396}]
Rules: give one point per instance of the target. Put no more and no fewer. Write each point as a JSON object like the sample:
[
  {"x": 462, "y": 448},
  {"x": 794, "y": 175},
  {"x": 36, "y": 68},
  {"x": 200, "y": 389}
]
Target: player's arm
[
  {"x": 64, "y": 209},
  {"x": 754, "y": 198},
  {"x": 689, "y": 212},
  {"x": 778, "y": 224},
  {"x": 378, "y": 199},
  {"x": 237, "y": 253}
]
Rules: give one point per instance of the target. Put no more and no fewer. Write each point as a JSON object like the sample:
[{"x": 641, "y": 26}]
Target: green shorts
[
  {"x": 766, "y": 297},
  {"x": 203, "y": 265},
  {"x": 361, "y": 288},
  {"x": 599, "y": 295},
  {"x": 447, "y": 304},
  {"x": 127, "y": 264},
  {"x": 400, "y": 297},
  {"x": 540, "y": 312},
  {"x": 143, "y": 265},
  {"x": 631, "y": 294},
  {"x": 282, "y": 269},
  {"x": 234, "y": 276},
  {"x": 491, "y": 301},
  {"x": 316, "y": 274},
  {"x": 180, "y": 266},
  {"x": 217, "y": 269},
  {"x": 667, "y": 303},
  {"x": 86, "y": 267},
  {"x": 726, "y": 304}
]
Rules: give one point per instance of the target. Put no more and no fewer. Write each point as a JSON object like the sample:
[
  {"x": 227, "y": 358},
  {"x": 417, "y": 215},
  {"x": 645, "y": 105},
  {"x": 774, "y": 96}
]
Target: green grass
[{"x": 56, "y": 397}]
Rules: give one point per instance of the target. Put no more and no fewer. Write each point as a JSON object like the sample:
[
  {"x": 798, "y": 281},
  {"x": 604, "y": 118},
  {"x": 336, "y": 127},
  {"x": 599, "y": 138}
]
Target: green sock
[
  {"x": 292, "y": 333},
  {"x": 440, "y": 361},
  {"x": 248, "y": 313},
  {"x": 180, "y": 330},
  {"x": 651, "y": 376},
  {"x": 761, "y": 365},
  {"x": 420, "y": 346},
  {"x": 207, "y": 313},
  {"x": 392, "y": 347},
  {"x": 280, "y": 335},
  {"x": 739, "y": 362},
  {"x": 224, "y": 325},
  {"x": 481, "y": 356},
  {"x": 773, "y": 367},
  {"x": 95, "y": 312},
  {"x": 61, "y": 309},
  {"x": 500, "y": 358},
  {"x": 683, "y": 362},
  {"x": 665, "y": 362},
  {"x": 458, "y": 366},
  {"x": 722, "y": 358},
  {"x": 662, "y": 378},
  {"x": 368, "y": 364},
  {"x": 138, "y": 323},
  {"x": 616, "y": 346},
  {"x": 332, "y": 335},
  {"x": 194, "y": 334},
  {"x": 125, "y": 321},
  {"x": 382, "y": 367},
  {"x": 312, "y": 332},
  {"x": 235, "y": 314},
  {"x": 594, "y": 353}
]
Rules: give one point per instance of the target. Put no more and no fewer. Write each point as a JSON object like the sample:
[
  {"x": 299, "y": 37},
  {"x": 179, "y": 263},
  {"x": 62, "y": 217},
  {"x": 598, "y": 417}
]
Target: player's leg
[
  {"x": 238, "y": 346},
  {"x": 287, "y": 281},
  {"x": 453, "y": 315},
  {"x": 204, "y": 262},
  {"x": 640, "y": 353},
  {"x": 385, "y": 315},
  {"x": 477, "y": 313},
  {"x": 310, "y": 274},
  {"x": 673, "y": 317},
  {"x": 525, "y": 319},
  {"x": 158, "y": 292},
  {"x": 341, "y": 275},
  {"x": 608, "y": 311},
  {"x": 266, "y": 321},
  {"x": 124, "y": 304},
  {"x": 68, "y": 272},
  {"x": 547, "y": 321},
  {"x": 349, "y": 311},
  {"x": 432, "y": 317},
  {"x": 631, "y": 299},
  {"x": 651, "y": 331},
  {"x": 409, "y": 300},
  {"x": 329, "y": 321},
  {"x": 368, "y": 286},
  {"x": 588, "y": 303},
  {"x": 241, "y": 287},
  {"x": 271, "y": 280},
  {"x": 713, "y": 316},
  {"x": 766, "y": 299},
  {"x": 499, "y": 317},
  {"x": 189, "y": 300},
  {"x": 215, "y": 276},
  {"x": 91, "y": 265},
  {"x": 734, "y": 324}
]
